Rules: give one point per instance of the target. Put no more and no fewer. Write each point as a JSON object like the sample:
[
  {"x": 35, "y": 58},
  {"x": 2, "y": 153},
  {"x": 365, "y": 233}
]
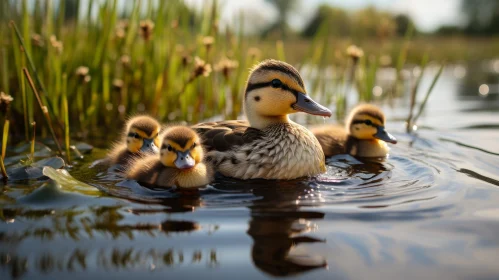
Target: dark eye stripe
[
  {"x": 134, "y": 135},
  {"x": 269, "y": 84},
  {"x": 366, "y": 122}
]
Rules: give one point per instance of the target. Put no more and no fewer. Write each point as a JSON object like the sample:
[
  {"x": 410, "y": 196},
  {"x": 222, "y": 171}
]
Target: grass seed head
[
  {"x": 146, "y": 28},
  {"x": 5, "y": 100},
  {"x": 355, "y": 53},
  {"x": 201, "y": 68},
  {"x": 226, "y": 65},
  {"x": 208, "y": 42}
]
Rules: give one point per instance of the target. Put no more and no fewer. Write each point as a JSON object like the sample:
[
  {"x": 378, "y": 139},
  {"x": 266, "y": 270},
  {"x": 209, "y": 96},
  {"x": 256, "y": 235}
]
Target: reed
[
  {"x": 147, "y": 60},
  {"x": 428, "y": 92},
  {"x": 65, "y": 112},
  {"x": 5, "y": 177},
  {"x": 5, "y": 138},
  {"x": 32, "y": 141},
  {"x": 414, "y": 92},
  {"x": 44, "y": 110}
]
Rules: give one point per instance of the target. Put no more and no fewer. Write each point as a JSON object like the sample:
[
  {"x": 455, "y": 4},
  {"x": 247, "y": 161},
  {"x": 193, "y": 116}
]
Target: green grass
[{"x": 93, "y": 73}]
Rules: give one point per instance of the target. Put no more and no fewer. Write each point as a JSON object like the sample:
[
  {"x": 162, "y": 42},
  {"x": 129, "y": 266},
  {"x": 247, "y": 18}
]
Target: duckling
[
  {"x": 140, "y": 136},
  {"x": 180, "y": 162},
  {"x": 364, "y": 135},
  {"x": 269, "y": 145}
]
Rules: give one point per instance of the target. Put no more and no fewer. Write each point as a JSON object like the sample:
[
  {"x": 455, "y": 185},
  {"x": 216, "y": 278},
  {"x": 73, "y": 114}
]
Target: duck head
[
  {"x": 367, "y": 122},
  {"x": 274, "y": 90},
  {"x": 142, "y": 134},
  {"x": 181, "y": 148}
]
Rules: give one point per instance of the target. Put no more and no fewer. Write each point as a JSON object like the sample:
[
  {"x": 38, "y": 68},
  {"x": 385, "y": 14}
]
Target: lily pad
[
  {"x": 33, "y": 171},
  {"x": 84, "y": 148},
  {"x": 26, "y": 147},
  {"x": 68, "y": 182},
  {"x": 22, "y": 151}
]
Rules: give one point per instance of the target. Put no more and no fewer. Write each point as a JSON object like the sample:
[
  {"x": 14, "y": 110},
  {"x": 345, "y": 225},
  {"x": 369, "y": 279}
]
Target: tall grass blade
[
  {"x": 414, "y": 92},
  {"x": 5, "y": 137},
  {"x": 430, "y": 90},
  {"x": 66, "y": 116},
  {"x": 44, "y": 110}
]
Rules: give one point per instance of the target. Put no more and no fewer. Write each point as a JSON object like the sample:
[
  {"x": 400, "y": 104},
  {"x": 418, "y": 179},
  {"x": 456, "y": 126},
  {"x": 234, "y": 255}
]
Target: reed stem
[
  {"x": 430, "y": 90},
  {"x": 44, "y": 110},
  {"x": 66, "y": 116},
  {"x": 32, "y": 142},
  {"x": 24, "y": 98},
  {"x": 30, "y": 61},
  {"x": 414, "y": 92},
  {"x": 5, "y": 137}
]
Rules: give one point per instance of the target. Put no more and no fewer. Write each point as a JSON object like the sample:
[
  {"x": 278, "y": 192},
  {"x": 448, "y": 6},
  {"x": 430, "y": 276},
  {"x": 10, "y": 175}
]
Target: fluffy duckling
[
  {"x": 364, "y": 135},
  {"x": 180, "y": 162},
  {"x": 269, "y": 145},
  {"x": 140, "y": 136}
]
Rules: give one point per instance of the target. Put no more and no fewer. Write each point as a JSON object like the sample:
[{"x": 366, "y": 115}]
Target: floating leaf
[
  {"x": 68, "y": 182},
  {"x": 33, "y": 171},
  {"x": 84, "y": 148}
]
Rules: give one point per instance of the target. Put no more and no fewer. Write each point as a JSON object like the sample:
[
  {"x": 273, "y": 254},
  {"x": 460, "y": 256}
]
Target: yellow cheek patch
[
  {"x": 133, "y": 144},
  {"x": 168, "y": 158},
  {"x": 197, "y": 154}
]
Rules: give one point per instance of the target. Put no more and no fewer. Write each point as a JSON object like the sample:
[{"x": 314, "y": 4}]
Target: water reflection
[
  {"x": 280, "y": 231},
  {"x": 81, "y": 259}
]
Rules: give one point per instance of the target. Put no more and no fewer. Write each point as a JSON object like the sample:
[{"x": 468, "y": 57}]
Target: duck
[
  {"x": 364, "y": 134},
  {"x": 268, "y": 145},
  {"x": 180, "y": 162},
  {"x": 140, "y": 136}
]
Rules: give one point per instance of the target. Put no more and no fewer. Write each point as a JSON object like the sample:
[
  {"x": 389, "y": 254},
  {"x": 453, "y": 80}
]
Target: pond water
[{"x": 431, "y": 209}]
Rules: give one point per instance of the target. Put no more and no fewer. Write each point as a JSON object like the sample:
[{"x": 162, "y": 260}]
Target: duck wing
[{"x": 226, "y": 135}]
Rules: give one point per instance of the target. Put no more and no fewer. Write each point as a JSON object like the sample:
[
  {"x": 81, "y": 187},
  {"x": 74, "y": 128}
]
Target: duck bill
[
  {"x": 184, "y": 160},
  {"x": 149, "y": 147},
  {"x": 385, "y": 136},
  {"x": 307, "y": 105}
]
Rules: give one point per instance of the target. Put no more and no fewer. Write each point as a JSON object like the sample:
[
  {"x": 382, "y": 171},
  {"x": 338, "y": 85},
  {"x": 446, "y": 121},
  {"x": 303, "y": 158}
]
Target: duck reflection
[{"x": 278, "y": 226}]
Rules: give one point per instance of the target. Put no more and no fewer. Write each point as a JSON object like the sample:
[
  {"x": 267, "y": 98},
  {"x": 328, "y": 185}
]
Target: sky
[{"x": 427, "y": 14}]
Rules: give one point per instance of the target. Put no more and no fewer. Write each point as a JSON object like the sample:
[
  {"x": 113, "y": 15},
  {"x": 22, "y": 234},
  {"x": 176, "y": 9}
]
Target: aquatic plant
[{"x": 90, "y": 72}]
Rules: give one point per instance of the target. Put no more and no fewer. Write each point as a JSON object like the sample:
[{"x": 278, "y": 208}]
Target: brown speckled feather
[
  {"x": 226, "y": 135},
  {"x": 280, "y": 151}
]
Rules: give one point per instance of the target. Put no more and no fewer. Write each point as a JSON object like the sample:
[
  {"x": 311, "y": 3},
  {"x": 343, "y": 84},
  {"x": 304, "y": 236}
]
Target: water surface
[{"x": 429, "y": 210}]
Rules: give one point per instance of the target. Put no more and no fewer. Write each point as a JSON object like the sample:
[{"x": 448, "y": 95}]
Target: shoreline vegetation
[{"x": 89, "y": 74}]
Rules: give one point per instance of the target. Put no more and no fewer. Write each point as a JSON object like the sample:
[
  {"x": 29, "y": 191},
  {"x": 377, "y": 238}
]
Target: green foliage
[
  {"x": 364, "y": 23},
  {"x": 164, "y": 59}
]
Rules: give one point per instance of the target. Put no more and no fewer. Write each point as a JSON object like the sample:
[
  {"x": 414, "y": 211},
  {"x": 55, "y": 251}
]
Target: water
[{"x": 430, "y": 210}]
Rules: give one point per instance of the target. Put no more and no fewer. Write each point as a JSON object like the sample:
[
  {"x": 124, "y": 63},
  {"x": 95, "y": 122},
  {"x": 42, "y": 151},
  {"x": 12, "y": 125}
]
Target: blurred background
[{"x": 189, "y": 60}]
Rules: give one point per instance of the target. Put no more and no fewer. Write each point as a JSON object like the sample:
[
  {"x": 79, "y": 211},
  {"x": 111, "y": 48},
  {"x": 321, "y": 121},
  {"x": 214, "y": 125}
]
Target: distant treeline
[{"x": 481, "y": 19}]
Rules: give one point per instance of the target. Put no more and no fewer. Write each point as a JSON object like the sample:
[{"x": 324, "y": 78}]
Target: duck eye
[
  {"x": 169, "y": 148},
  {"x": 368, "y": 122},
  {"x": 276, "y": 83},
  {"x": 134, "y": 135},
  {"x": 193, "y": 146}
]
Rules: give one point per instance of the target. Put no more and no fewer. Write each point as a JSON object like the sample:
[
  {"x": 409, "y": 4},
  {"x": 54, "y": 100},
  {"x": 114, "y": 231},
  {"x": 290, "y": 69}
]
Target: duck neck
[{"x": 261, "y": 122}]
